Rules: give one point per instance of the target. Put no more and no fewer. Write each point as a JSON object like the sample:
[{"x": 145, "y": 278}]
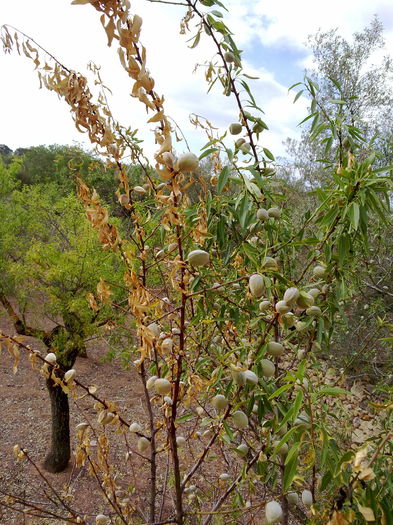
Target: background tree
[
  {"x": 50, "y": 260},
  {"x": 345, "y": 71}
]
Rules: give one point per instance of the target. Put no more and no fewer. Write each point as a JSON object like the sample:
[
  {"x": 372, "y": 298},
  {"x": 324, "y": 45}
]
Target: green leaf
[
  {"x": 196, "y": 40},
  {"x": 218, "y": 14},
  {"x": 251, "y": 252},
  {"x": 295, "y": 85},
  {"x": 332, "y": 391},
  {"x": 186, "y": 417},
  {"x": 337, "y": 101},
  {"x": 291, "y": 466},
  {"x": 308, "y": 118},
  {"x": 243, "y": 211},
  {"x": 297, "y": 404},
  {"x": 298, "y": 95},
  {"x": 280, "y": 390},
  {"x": 268, "y": 154},
  {"x": 228, "y": 430},
  {"x": 223, "y": 178},
  {"x": 353, "y": 213},
  {"x": 207, "y": 152}
]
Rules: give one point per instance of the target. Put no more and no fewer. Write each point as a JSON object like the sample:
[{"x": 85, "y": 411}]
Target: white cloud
[{"x": 74, "y": 35}]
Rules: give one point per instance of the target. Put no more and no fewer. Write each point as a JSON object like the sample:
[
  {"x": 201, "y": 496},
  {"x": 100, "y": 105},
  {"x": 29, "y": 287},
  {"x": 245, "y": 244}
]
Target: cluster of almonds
[
  {"x": 293, "y": 297},
  {"x": 273, "y": 509}
]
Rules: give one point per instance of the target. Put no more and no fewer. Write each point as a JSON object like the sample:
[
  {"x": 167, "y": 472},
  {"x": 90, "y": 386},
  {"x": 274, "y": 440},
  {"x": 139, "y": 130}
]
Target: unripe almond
[
  {"x": 275, "y": 349},
  {"x": 225, "y": 477},
  {"x": 229, "y": 57},
  {"x": 274, "y": 212},
  {"x": 305, "y": 300},
  {"x": 167, "y": 344},
  {"x": 139, "y": 190},
  {"x": 242, "y": 449},
  {"x": 143, "y": 444},
  {"x": 168, "y": 400},
  {"x": 262, "y": 214},
  {"x": 124, "y": 199},
  {"x": 105, "y": 417},
  {"x": 289, "y": 319},
  {"x": 239, "y": 143},
  {"x": 273, "y": 512},
  {"x": 135, "y": 427},
  {"x": 81, "y": 426},
  {"x": 314, "y": 311},
  {"x": 240, "y": 419},
  {"x": 256, "y": 284},
  {"x": 154, "y": 329},
  {"x": 181, "y": 441},
  {"x": 291, "y": 295},
  {"x": 283, "y": 450},
  {"x": 69, "y": 375},
  {"x": 264, "y": 305},
  {"x": 172, "y": 247},
  {"x": 220, "y": 402},
  {"x": 245, "y": 148},
  {"x": 168, "y": 159},
  {"x": 270, "y": 264},
  {"x": 200, "y": 411},
  {"x": 198, "y": 258},
  {"x": 314, "y": 292},
  {"x": 50, "y": 358},
  {"x": 307, "y": 498},
  {"x": 268, "y": 368},
  {"x": 235, "y": 128},
  {"x": 251, "y": 377},
  {"x": 101, "y": 519},
  {"x": 319, "y": 271},
  {"x": 293, "y": 498},
  {"x": 238, "y": 376},
  {"x": 282, "y": 307},
  {"x": 218, "y": 288},
  {"x": 187, "y": 162},
  {"x": 162, "y": 386},
  {"x": 150, "y": 382}
]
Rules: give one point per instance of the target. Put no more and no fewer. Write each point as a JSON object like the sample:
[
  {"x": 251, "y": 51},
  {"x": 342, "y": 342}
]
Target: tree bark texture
[{"x": 59, "y": 456}]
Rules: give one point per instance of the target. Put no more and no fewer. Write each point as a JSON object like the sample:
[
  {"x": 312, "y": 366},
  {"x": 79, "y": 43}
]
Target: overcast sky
[{"x": 272, "y": 34}]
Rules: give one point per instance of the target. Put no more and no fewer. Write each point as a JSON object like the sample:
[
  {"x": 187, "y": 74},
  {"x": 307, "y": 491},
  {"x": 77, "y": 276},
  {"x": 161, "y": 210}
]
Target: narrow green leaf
[
  {"x": 223, "y": 178},
  {"x": 186, "y": 417},
  {"x": 298, "y": 95},
  {"x": 297, "y": 404},
  {"x": 268, "y": 154},
  {"x": 295, "y": 85},
  {"x": 332, "y": 391},
  {"x": 207, "y": 152},
  {"x": 280, "y": 390},
  {"x": 353, "y": 213},
  {"x": 308, "y": 117},
  {"x": 291, "y": 466}
]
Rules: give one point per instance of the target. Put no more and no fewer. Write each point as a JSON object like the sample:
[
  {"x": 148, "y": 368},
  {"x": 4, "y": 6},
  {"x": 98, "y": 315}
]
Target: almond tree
[
  {"x": 227, "y": 344},
  {"x": 49, "y": 260}
]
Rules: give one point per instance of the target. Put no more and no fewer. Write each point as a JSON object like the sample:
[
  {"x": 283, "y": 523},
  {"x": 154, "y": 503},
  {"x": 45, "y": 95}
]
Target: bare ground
[{"x": 25, "y": 420}]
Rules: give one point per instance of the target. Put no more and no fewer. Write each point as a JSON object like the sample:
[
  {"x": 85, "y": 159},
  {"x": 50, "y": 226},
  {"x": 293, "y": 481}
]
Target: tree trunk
[{"x": 59, "y": 456}]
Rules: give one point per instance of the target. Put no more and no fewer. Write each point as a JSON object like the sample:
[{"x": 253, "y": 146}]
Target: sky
[{"x": 272, "y": 35}]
